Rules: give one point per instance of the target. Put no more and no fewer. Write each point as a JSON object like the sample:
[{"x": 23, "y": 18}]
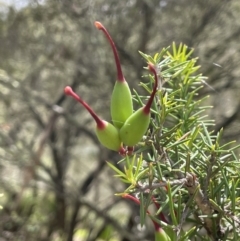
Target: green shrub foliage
[{"x": 181, "y": 165}]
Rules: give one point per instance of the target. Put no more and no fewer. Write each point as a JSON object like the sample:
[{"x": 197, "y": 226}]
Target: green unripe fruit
[
  {"x": 161, "y": 235},
  {"x": 135, "y": 127},
  {"x": 121, "y": 100},
  {"x": 121, "y": 103},
  {"x": 137, "y": 124},
  {"x": 107, "y": 134}
]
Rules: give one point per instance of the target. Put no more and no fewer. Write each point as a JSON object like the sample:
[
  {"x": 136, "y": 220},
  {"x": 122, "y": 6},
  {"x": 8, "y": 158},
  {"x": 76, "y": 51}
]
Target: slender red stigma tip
[
  {"x": 98, "y": 25},
  {"x": 147, "y": 107},
  {"x": 68, "y": 90},
  {"x": 151, "y": 67},
  {"x": 100, "y": 123},
  {"x": 114, "y": 49}
]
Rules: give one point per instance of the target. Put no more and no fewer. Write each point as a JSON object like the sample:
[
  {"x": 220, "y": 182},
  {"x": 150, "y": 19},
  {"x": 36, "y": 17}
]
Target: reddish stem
[
  {"x": 100, "y": 123},
  {"x": 114, "y": 49},
  {"x": 130, "y": 150},
  {"x": 132, "y": 198},
  {"x": 161, "y": 215},
  {"x": 147, "y": 107},
  {"x": 122, "y": 151}
]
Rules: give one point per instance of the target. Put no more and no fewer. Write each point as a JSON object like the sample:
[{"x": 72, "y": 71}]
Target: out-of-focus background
[{"x": 53, "y": 173}]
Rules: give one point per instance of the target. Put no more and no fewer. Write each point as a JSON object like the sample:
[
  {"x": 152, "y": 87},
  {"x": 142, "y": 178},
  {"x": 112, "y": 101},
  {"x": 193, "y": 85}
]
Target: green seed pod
[
  {"x": 121, "y": 103},
  {"x": 161, "y": 235},
  {"x": 121, "y": 100},
  {"x": 107, "y": 134},
  {"x": 134, "y": 128},
  {"x": 137, "y": 124}
]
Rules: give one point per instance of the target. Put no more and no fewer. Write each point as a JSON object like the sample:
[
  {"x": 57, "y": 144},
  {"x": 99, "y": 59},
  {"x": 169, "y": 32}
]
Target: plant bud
[
  {"x": 161, "y": 235},
  {"x": 107, "y": 134},
  {"x": 137, "y": 124},
  {"x": 121, "y": 100}
]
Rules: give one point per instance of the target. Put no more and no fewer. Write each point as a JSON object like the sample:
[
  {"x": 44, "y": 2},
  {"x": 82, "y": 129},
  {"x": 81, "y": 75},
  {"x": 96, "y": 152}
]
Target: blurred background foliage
[{"x": 53, "y": 172}]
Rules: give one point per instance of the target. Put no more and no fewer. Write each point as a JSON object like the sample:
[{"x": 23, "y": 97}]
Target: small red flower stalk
[
  {"x": 128, "y": 127},
  {"x": 160, "y": 234}
]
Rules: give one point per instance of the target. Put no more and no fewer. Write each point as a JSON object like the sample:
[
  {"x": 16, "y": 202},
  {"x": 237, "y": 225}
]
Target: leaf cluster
[{"x": 181, "y": 163}]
